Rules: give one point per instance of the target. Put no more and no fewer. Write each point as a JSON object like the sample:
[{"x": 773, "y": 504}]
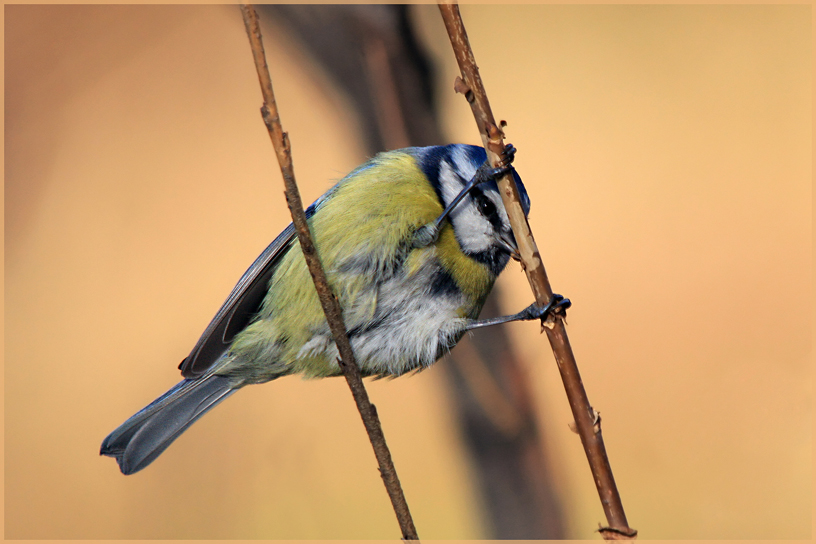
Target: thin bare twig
[
  {"x": 586, "y": 419},
  {"x": 331, "y": 306}
]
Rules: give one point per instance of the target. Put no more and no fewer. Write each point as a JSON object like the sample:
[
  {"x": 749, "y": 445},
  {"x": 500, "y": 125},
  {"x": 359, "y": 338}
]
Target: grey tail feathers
[{"x": 143, "y": 437}]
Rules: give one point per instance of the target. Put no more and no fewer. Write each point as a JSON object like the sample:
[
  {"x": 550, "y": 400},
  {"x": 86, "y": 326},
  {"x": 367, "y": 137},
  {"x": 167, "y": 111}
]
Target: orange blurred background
[{"x": 667, "y": 153}]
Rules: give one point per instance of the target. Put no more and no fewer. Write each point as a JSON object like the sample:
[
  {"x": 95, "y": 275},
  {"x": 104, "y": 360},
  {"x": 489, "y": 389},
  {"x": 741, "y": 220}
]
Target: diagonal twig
[
  {"x": 331, "y": 306},
  {"x": 586, "y": 418}
]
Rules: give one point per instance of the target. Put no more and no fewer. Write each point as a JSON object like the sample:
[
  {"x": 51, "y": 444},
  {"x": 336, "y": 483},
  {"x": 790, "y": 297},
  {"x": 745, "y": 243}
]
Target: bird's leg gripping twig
[{"x": 557, "y": 307}]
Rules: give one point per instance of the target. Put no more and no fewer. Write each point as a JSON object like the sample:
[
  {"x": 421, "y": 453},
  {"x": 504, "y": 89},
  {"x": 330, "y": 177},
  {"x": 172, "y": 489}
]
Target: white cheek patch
[
  {"x": 449, "y": 183},
  {"x": 463, "y": 163},
  {"x": 473, "y": 230}
]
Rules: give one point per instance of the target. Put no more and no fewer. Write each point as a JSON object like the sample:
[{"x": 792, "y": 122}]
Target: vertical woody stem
[
  {"x": 586, "y": 419},
  {"x": 331, "y": 306}
]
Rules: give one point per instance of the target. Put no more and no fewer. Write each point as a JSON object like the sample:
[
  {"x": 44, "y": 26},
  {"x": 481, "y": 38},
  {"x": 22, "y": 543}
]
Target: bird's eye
[{"x": 486, "y": 207}]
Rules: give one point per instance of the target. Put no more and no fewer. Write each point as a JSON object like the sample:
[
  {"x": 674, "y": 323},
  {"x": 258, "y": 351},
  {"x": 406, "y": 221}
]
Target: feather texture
[{"x": 404, "y": 306}]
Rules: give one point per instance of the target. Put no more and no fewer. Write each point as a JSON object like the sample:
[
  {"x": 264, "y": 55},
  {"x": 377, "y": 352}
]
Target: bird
[{"x": 412, "y": 242}]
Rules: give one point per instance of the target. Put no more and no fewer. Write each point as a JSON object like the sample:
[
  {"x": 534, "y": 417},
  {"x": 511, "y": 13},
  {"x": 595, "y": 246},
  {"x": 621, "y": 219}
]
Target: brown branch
[
  {"x": 587, "y": 424},
  {"x": 331, "y": 306}
]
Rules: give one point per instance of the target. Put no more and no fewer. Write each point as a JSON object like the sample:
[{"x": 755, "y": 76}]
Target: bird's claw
[
  {"x": 487, "y": 173},
  {"x": 507, "y": 156},
  {"x": 556, "y": 307}
]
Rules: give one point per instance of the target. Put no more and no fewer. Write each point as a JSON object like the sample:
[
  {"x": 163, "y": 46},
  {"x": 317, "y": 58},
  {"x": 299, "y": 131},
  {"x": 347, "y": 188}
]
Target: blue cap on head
[
  {"x": 479, "y": 156},
  {"x": 429, "y": 159}
]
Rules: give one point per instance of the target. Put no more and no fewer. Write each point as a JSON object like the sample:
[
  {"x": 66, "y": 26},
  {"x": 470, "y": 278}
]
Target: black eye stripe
[
  {"x": 486, "y": 206},
  {"x": 483, "y": 204}
]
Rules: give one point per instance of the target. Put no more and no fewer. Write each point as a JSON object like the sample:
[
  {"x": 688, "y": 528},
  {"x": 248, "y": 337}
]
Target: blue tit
[{"x": 411, "y": 242}]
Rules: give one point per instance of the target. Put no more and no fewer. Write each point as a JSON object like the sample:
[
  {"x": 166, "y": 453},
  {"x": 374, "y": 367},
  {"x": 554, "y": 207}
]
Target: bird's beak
[{"x": 508, "y": 242}]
